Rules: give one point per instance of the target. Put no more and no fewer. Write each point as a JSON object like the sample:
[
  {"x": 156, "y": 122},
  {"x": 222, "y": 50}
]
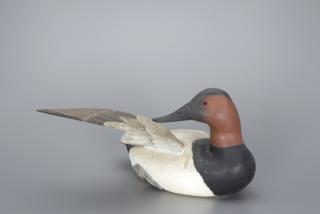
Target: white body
[{"x": 172, "y": 172}]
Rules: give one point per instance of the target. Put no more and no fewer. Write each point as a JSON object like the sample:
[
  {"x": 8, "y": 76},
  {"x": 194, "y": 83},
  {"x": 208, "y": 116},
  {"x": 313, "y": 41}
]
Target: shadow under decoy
[
  {"x": 132, "y": 195},
  {"x": 242, "y": 196},
  {"x": 125, "y": 192},
  {"x": 240, "y": 202}
]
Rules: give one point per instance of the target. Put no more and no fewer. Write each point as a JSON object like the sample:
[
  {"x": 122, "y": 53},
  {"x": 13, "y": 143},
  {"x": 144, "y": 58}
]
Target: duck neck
[{"x": 224, "y": 139}]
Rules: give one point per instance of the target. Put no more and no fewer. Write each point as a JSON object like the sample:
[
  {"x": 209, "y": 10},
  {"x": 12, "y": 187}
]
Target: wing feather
[{"x": 139, "y": 130}]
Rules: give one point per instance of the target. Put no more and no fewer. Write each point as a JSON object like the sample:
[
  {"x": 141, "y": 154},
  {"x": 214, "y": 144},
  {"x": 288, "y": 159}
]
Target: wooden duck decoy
[{"x": 182, "y": 161}]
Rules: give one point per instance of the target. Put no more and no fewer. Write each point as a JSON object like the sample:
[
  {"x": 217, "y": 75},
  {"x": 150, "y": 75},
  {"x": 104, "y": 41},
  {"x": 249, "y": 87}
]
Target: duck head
[{"x": 214, "y": 107}]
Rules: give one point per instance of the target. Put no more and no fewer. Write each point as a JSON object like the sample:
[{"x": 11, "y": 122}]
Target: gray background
[{"x": 149, "y": 57}]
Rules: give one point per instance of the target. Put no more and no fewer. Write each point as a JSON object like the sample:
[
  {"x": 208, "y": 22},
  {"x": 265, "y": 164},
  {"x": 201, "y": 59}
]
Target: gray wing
[
  {"x": 139, "y": 130},
  {"x": 90, "y": 115}
]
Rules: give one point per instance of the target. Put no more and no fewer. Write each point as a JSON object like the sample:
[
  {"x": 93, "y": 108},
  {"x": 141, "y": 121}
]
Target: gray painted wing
[{"x": 139, "y": 130}]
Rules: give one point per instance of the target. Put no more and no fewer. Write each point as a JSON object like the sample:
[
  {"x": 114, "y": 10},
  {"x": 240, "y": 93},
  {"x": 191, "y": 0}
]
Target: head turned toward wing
[{"x": 214, "y": 107}]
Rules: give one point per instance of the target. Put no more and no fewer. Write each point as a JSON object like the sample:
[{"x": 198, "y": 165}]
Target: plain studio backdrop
[{"x": 150, "y": 57}]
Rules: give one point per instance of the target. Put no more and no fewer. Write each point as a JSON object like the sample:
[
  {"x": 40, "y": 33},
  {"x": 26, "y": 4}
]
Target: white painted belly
[{"x": 174, "y": 173}]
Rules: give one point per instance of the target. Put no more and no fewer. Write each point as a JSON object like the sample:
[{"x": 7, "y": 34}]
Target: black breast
[{"x": 224, "y": 170}]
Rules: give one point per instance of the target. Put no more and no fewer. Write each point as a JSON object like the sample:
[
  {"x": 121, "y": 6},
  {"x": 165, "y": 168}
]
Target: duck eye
[{"x": 204, "y": 103}]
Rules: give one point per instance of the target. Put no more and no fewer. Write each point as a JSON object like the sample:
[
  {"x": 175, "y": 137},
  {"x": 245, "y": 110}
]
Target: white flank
[{"x": 174, "y": 173}]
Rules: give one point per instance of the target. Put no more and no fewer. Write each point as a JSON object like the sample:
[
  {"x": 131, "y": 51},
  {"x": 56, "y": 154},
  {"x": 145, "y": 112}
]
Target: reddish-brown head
[{"x": 214, "y": 107}]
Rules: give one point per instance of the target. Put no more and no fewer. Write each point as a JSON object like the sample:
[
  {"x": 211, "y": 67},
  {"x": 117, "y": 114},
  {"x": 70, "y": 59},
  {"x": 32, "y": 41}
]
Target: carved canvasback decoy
[{"x": 182, "y": 161}]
